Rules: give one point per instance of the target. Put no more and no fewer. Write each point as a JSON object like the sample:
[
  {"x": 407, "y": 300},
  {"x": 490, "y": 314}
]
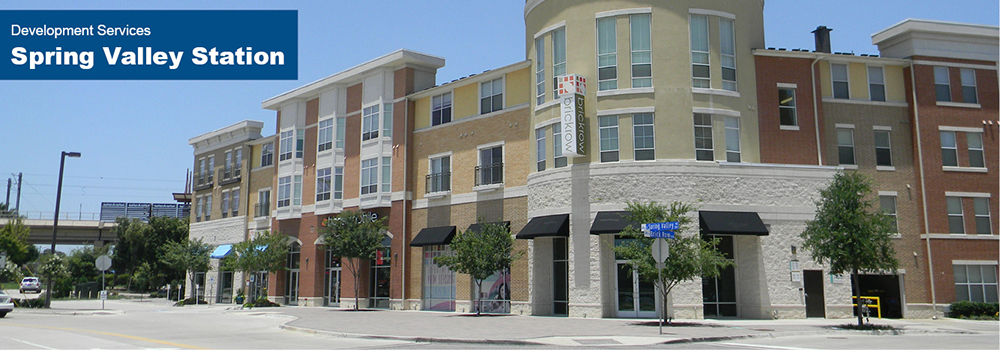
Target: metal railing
[
  {"x": 48, "y": 215},
  {"x": 262, "y": 209},
  {"x": 438, "y": 182},
  {"x": 489, "y": 174}
]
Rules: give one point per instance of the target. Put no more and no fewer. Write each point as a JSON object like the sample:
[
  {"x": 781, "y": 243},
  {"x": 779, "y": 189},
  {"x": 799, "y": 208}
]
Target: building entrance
[
  {"x": 636, "y": 298},
  {"x": 331, "y": 292},
  {"x": 886, "y": 288},
  {"x": 292, "y": 282},
  {"x": 719, "y": 293},
  {"x": 812, "y": 282},
  {"x": 379, "y": 286}
]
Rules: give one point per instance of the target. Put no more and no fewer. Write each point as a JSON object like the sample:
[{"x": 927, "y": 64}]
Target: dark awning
[
  {"x": 433, "y": 236},
  {"x": 610, "y": 222},
  {"x": 731, "y": 223},
  {"x": 546, "y": 226},
  {"x": 475, "y": 227}
]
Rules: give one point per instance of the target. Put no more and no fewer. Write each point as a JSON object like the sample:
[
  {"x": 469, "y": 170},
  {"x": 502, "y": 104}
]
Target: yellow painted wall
[
  {"x": 894, "y": 84},
  {"x": 857, "y": 75},
  {"x": 518, "y": 87},
  {"x": 422, "y": 112},
  {"x": 465, "y": 101}
]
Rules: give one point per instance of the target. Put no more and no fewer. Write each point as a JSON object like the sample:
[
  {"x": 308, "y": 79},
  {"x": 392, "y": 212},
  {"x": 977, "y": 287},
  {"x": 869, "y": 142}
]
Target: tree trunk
[
  {"x": 354, "y": 271},
  {"x": 479, "y": 298},
  {"x": 857, "y": 297}
]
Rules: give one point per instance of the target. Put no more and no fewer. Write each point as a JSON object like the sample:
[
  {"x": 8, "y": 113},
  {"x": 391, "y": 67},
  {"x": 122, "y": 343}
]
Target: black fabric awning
[
  {"x": 433, "y": 236},
  {"x": 475, "y": 227},
  {"x": 611, "y": 222},
  {"x": 731, "y": 223},
  {"x": 546, "y": 226}
]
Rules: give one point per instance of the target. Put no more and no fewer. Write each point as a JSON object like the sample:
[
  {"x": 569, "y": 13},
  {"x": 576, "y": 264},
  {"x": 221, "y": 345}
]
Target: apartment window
[
  {"x": 208, "y": 207},
  {"x": 949, "y": 149},
  {"x": 540, "y": 148},
  {"x": 202, "y": 173},
  {"x": 607, "y": 54},
  {"x": 540, "y": 70},
  {"x": 642, "y": 56},
  {"x": 609, "y": 138},
  {"x": 323, "y": 182},
  {"x": 325, "y": 137},
  {"x": 727, "y": 45},
  {"x": 369, "y": 123},
  {"x": 975, "y": 140},
  {"x": 876, "y": 84},
  {"x": 228, "y": 165},
  {"x": 341, "y": 132},
  {"x": 286, "y": 145},
  {"x": 263, "y": 203},
  {"x": 942, "y": 84},
  {"x": 490, "y": 169},
  {"x": 267, "y": 154},
  {"x": 338, "y": 182},
  {"x": 838, "y": 74},
  {"x": 235, "y": 198},
  {"x": 969, "y": 85},
  {"x": 439, "y": 177},
  {"x": 284, "y": 191},
  {"x": 297, "y": 190},
  {"x": 369, "y": 176},
  {"x": 558, "y": 58},
  {"x": 238, "y": 164},
  {"x": 732, "y": 125},
  {"x": 956, "y": 222},
  {"x": 976, "y": 283},
  {"x": 387, "y": 120},
  {"x": 883, "y": 151},
  {"x": 703, "y": 149},
  {"x": 491, "y": 96},
  {"x": 225, "y": 205},
  {"x": 701, "y": 77},
  {"x": 211, "y": 167},
  {"x": 642, "y": 131},
  {"x": 386, "y": 174},
  {"x": 558, "y": 159},
  {"x": 300, "y": 143},
  {"x": 786, "y": 107},
  {"x": 441, "y": 109},
  {"x": 200, "y": 211},
  {"x": 888, "y": 204},
  {"x": 845, "y": 146},
  {"x": 982, "y": 209}
]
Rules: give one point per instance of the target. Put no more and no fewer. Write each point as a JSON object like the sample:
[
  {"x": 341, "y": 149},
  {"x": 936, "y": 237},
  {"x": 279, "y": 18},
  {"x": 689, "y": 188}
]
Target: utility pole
[
  {"x": 17, "y": 209},
  {"x": 8, "y": 194}
]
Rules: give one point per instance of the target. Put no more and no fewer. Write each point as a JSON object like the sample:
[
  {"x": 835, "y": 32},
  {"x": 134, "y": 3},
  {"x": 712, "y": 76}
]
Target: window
[
  {"x": 369, "y": 123},
  {"x": 642, "y": 130},
  {"x": 211, "y": 167},
  {"x": 387, "y": 120},
  {"x": 540, "y": 70},
  {"x": 982, "y": 209},
  {"x": 949, "y": 149},
  {"x": 642, "y": 56},
  {"x": 338, "y": 182},
  {"x": 441, "y": 109},
  {"x": 703, "y": 149},
  {"x": 490, "y": 169},
  {"x": 386, "y": 174},
  {"x": 235, "y": 197},
  {"x": 701, "y": 77},
  {"x": 942, "y": 84},
  {"x": 732, "y": 125},
  {"x": 956, "y": 222},
  {"x": 607, "y": 54},
  {"x": 838, "y": 74},
  {"x": 609, "y": 138},
  {"x": 491, "y": 96},
  {"x": 975, "y": 140},
  {"x": 883, "y": 151},
  {"x": 286, "y": 145},
  {"x": 227, "y": 166},
  {"x": 323, "y": 184},
  {"x": 225, "y": 205},
  {"x": 845, "y": 146},
  {"x": 369, "y": 176},
  {"x": 786, "y": 107},
  {"x": 341, "y": 132},
  {"x": 199, "y": 212},
  {"x": 297, "y": 188},
  {"x": 540, "y": 148},
  {"x": 267, "y": 154},
  {"x": 557, "y": 156},
  {"x": 969, "y": 85},
  {"x": 208, "y": 207},
  {"x": 300, "y": 143},
  {"x": 558, "y": 58},
  {"x": 727, "y": 44},
  {"x": 976, "y": 283},
  {"x": 284, "y": 191},
  {"x": 263, "y": 207},
  {"x": 202, "y": 173},
  {"x": 325, "y": 137},
  {"x": 888, "y": 204},
  {"x": 876, "y": 84},
  {"x": 238, "y": 166},
  {"x": 439, "y": 176}
]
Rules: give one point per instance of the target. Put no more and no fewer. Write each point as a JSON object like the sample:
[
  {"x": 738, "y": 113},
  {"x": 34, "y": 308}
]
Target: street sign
[
  {"x": 659, "y": 234},
  {"x": 662, "y": 226},
  {"x": 661, "y": 250},
  {"x": 103, "y": 262},
  {"x": 104, "y": 295}
]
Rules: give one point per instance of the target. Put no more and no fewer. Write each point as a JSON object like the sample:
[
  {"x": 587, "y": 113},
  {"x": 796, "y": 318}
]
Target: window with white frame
[
  {"x": 949, "y": 149},
  {"x": 235, "y": 198},
  {"x": 211, "y": 168},
  {"x": 942, "y": 84},
  {"x": 441, "y": 109},
  {"x": 786, "y": 107},
  {"x": 558, "y": 159},
  {"x": 976, "y": 283},
  {"x": 263, "y": 207},
  {"x": 727, "y": 45},
  {"x": 323, "y": 182},
  {"x": 369, "y": 176},
  {"x": 838, "y": 74},
  {"x": 607, "y": 54},
  {"x": 286, "y": 146},
  {"x": 199, "y": 209},
  {"x": 202, "y": 172},
  {"x": 208, "y": 207},
  {"x": 732, "y": 125},
  {"x": 703, "y": 148},
  {"x": 700, "y": 70},
  {"x": 876, "y": 83},
  {"x": 888, "y": 205},
  {"x": 845, "y": 146},
  {"x": 284, "y": 191},
  {"x": 969, "y": 85},
  {"x": 225, "y": 205},
  {"x": 325, "y": 135},
  {"x": 227, "y": 167},
  {"x": 369, "y": 123},
  {"x": 975, "y": 141},
  {"x": 956, "y": 219},
  {"x": 341, "y": 132},
  {"x": 981, "y": 206},
  {"x": 338, "y": 182},
  {"x": 609, "y": 138},
  {"x": 297, "y": 190},
  {"x": 267, "y": 154},
  {"x": 883, "y": 148},
  {"x": 387, "y": 120},
  {"x": 540, "y": 148},
  {"x": 238, "y": 163},
  {"x": 540, "y": 70},
  {"x": 642, "y": 132},
  {"x": 300, "y": 143},
  {"x": 386, "y": 174},
  {"x": 642, "y": 56},
  {"x": 490, "y": 169},
  {"x": 439, "y": 176},
  {"x": 491, "y": 96},
  {"x": 558, "y": 58}
]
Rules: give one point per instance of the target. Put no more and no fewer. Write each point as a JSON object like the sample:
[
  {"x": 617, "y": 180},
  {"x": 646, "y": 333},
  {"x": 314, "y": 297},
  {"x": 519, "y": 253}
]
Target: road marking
[
  {"x": 766, "y": 346},
  {"x": 33, "y": 344},
  {"x": 110, "y": 334}
]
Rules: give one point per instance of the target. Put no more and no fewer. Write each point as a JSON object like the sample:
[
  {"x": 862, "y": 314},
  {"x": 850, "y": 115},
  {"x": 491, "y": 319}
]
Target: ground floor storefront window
[
  {"x": 380, "y": 273},
  {"x": 225, "y": 294},
  {"x": 331, "y": 284},
  {"x": 495, "y": 293},
  {"x": 439, "y": 281},
  {"x": 719, "y": 293}
]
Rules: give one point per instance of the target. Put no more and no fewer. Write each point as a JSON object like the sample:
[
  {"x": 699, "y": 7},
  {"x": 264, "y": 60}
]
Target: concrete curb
[{"x": 414, "y": 339}]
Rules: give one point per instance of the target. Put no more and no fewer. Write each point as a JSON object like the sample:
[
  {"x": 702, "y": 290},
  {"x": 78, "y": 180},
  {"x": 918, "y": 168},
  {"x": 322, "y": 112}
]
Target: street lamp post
[{"x": 55, "y": 219}]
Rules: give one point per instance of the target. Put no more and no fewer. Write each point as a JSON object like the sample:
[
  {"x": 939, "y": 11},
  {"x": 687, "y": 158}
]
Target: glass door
[
  {"x": 719, "y": 293},
  {"x": 331, "y": 292},
  {"x": 292, "y": 286},
  {"x": 636, "y": 298}
]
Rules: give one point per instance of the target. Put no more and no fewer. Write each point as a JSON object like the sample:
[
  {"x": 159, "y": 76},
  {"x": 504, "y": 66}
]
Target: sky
[{"x": 133, "y": 135}]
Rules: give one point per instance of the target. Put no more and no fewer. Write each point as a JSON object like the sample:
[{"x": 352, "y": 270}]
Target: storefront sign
[
  {"x": 837, "y": 278},
  {"x": 572, "y": 115}
]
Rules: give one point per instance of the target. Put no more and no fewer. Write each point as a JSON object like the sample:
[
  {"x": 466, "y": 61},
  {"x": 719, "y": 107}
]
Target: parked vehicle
[
  {"x": 6, "y": 304},
  {"x": 32, "y": 284}
]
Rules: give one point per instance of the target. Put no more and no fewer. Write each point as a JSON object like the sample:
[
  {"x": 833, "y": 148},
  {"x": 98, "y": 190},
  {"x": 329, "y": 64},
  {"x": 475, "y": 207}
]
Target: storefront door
[
  {"x": 331, "y": 292},
  {"x": 379, "y": 287},
  {"x": 719, "y": 293},
  {"x": 636, "y": 298}
]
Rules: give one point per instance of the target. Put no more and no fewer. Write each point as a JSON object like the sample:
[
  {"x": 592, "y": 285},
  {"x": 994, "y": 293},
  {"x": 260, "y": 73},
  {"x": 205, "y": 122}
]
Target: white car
[
  {"x": 32, "y": 284},
  {"x": 6, "y": 305}
]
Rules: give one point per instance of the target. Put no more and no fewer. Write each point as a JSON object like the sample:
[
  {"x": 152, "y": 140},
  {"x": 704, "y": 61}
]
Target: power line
[
  {"x": 107, "y": 178},
  {"x": 114, "y": 188}
]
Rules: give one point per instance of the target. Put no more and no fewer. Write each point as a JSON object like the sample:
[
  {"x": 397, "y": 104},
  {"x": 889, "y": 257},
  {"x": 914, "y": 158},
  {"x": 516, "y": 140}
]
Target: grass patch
[
  {"x": 980, "y": 318},
  {"x": 10, "y": 285}
]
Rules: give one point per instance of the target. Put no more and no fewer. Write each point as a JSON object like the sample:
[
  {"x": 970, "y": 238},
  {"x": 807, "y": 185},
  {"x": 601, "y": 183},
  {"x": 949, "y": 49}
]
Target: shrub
[
  {"x": 260, "y": 302},
  {"x": 189, "y": 301},
  {"x": 968, "y": 309}
]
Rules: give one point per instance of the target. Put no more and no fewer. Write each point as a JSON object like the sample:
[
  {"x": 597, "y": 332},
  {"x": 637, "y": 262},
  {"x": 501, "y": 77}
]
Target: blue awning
[{"x": 221, "y": 251}]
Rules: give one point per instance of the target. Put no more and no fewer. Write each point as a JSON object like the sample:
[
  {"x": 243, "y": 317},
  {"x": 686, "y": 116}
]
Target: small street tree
[
  {"x": 848, "y": 233},
  {"x": 14, "y": 242},
  {"x": 480, "y": 254},
  {"x": 354, "y": 236},
  {"x": 190, "y": 255},
  {"x": 266, "y": 251},
  {"x": 690, "y": 255}
]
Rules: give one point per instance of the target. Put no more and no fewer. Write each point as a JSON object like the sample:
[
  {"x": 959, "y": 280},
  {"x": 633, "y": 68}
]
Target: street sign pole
[{"x": 103, "y": 263}]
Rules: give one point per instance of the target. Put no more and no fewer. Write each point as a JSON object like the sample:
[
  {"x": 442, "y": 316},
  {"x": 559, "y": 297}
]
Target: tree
[
  {"x": 80, "y": 263},
  {"x": 690, "y": 255},
  {"x": 141, "y": 243},
  {"x": 266, "y": 251},
  {"x": 190, "y": 256},
  {"x": 14, "y": 242},
  {"x": 849, "y": 233},
  {"x": 354, "y": 236},
  {"x": 480, "y": 254}
]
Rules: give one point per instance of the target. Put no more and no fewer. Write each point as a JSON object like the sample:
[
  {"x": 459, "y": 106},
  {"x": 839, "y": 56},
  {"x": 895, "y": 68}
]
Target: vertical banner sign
[{"x": 573, "y": 115}]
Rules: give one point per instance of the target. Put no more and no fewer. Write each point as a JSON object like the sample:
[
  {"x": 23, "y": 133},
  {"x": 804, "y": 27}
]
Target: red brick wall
[{"x": 785, "y": 146}]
